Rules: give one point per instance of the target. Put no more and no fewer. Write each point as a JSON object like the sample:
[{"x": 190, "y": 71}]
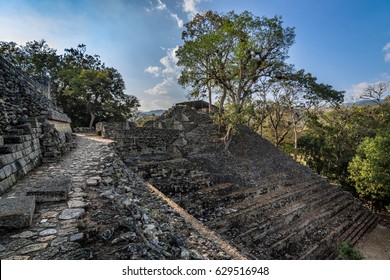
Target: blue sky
[{"x": 344, "y": 43}]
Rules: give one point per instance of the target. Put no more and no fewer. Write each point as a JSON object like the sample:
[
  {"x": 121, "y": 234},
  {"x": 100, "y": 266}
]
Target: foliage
[
  {"x": 370, "y": 171},
  {"x": 332, "y": 138},
  {"x": 145, "y": 119},
  {"x": 87, "y": 90},
  {"x": 36, "y": 57},
  {"x": 348, "y": 252},
  {"x": 232, "y": 54}
]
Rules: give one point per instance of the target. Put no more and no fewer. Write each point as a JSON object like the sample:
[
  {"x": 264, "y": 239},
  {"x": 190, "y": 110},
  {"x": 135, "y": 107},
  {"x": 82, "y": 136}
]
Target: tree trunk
[
  {"x": 228, "y": 138},
  {"x": 295, "y": 142},
  {"x": 92, "y": 119},
  {"x": 209, "y": 92}
]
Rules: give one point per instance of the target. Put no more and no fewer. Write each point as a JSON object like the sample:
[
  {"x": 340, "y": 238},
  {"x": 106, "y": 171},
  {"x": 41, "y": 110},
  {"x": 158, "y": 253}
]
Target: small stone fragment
[
  {"x": 68, "y": 214},
  {"x": 47, "y": 232}
]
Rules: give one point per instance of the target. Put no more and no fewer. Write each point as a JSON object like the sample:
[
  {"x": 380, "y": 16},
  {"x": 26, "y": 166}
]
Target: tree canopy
[
  {"x": 241, "y": 58},
  {"x": 369, "y": 170},
  {"x": 232, "y": 53},
  {"x": 82, "y": 85}
]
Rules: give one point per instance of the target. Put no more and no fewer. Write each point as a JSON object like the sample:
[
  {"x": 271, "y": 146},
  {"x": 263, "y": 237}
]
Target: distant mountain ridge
[
  {"x": 363, "y": 102},
  {"x": 150, "y": 113}
]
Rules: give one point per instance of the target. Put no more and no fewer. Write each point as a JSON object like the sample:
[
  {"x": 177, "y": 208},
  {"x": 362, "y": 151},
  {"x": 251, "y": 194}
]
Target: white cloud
[
  {"x": 178, "y": 20},
  {"x": 190, "y": 7},
  {"x": 356, "y": 90},
  {"x": 161, "y": 88},
  {"x": 168, "y": 91},
  {"x": 386, "y": 49},
  {"x": 169, "y": 73},
  {"x": 161, "y": 6},
  {"x": 155, "y": 70}
]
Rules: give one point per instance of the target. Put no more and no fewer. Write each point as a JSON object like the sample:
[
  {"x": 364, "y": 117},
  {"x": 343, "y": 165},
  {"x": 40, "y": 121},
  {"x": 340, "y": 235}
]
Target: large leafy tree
[
  {"x": 233, "y": 54},
  {"x": 87, "y": 90},
  {"x": 370, "y": 171},
  {"x": 202, "y": 48},
  {"x": 35, "y": 57}
]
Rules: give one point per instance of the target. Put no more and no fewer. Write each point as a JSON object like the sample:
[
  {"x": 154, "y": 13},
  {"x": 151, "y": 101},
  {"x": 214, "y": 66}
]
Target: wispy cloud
[
  {"x": 162, "y": 7},
  {"x": 168, "y": 91},
  {"x": 356, "y": 90},
  {"x": 386, "y": 49},
  {"x": 169, "y": 73},
  {"x": 190, "y": 7}
]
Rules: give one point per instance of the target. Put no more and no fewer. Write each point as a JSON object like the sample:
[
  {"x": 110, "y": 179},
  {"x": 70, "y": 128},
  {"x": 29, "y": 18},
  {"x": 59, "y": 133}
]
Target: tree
[
  {"x": 331, "y": 139},
  {"x": 35, "y": 57},
  {"x": 234, "y": 53},
  {"x": 196, "y": 56},
  {"x": 376, "y": 92},
  {"x": 87, "y": 90},
  {"x": 370, "y": 171},
  {"x": 99, "y": 89}
]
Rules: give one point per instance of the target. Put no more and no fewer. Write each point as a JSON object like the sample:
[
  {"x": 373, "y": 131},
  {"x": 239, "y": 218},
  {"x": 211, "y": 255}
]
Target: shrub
[{"x": 348, "y": 252}]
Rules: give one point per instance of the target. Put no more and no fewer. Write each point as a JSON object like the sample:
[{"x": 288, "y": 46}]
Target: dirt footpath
[{"x": 376, "y": 245}]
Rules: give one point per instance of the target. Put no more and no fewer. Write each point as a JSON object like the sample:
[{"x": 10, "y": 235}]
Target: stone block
[
  {"x": 16, "y": 212},
  {"x": 14, "y": 139},
  {"x": 33, "y": 122},
  {"x": 7, "y": 170},
  {"x": 1, "y": 141},
  {"x": 53, "y": 190},
  {"x": 6, "y": 159}
]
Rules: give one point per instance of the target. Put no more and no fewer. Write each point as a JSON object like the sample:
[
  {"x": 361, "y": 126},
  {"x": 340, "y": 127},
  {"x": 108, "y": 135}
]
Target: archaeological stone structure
[
  {"x": 167, "y": 190},
  {"x": 253, "y": 195},
  {"x": 32, "y": 129}
]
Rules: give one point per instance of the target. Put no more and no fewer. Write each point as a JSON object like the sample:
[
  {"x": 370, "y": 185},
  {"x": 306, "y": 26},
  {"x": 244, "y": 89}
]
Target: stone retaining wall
[{"x": 32, "y": 128}]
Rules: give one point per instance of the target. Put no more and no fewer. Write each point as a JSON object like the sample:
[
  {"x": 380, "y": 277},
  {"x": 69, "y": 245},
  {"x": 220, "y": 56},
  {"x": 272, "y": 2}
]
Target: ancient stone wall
[
  {"x": 144, "y": 140},
  {"x": 32, "y": 128},
  {"x": 253, "y": 195},
  {"x": 105, "y": 128}
]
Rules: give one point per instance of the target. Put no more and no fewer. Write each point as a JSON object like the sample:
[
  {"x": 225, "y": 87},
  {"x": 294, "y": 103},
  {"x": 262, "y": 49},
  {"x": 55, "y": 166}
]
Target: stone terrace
[
  {"x": 89, "y": 206},
  {"x": 253, "y": 195}
]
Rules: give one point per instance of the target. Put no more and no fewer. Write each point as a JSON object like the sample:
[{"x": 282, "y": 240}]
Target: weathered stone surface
[
  {"x": 32, "y": 248},
  {"x": 24, "y": 234},
  {"x": 26, "y": 136},
  {"x": 59, "y": 241},
  {"x": 68, "y": 214},
  {"x": 47, "y": 232},
  {"x": 76, "y": 237},
  {"x": 16, "y": 212},
  {"x": 77, "y": 204},
  {"x": 53, "y": 190}
]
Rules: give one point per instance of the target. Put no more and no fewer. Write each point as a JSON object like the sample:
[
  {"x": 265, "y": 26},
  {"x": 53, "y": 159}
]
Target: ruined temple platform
[{"x": 89, "y": 206}]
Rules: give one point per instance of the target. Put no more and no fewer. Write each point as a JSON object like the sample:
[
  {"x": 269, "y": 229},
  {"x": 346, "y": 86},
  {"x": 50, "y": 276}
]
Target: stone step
[
  {"x": 369, "y": 224},
  {"x": 304, "y": 226},
  {"x": 26, "y": 127},
  {"x": 16, "y": 212},
  {"x": 16, "y": 139},
  {"x": 287, "y": 215},
  {"x": 54, "y": 190},
  {"x": 344, "y": 230},
  {"x": 270, "y": 201},
  {"x": 277, "y": 223}
]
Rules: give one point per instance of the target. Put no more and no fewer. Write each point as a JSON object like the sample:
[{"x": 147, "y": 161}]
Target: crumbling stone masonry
[
  {"x": 256, "y": 197},
  {"x": 32, "y": 128}
]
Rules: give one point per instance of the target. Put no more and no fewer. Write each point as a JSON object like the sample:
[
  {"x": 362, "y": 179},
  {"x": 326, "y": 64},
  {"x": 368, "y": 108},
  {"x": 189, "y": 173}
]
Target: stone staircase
[
  {"x": 255, "y": 196},
  {"x": 23, "y": 148},
  {"x": 20, "y": 152}
]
